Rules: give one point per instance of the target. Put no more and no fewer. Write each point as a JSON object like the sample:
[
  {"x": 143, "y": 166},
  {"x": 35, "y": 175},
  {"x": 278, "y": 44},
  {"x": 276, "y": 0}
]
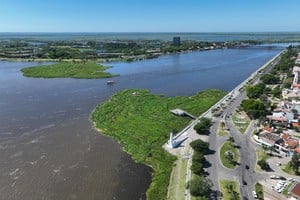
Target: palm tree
[{"x": 231, "y": 140}]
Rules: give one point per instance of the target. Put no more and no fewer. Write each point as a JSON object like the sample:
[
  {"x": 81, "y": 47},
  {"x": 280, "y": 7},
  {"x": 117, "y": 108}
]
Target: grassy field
[
  {"x": 177, "y": 188},
  {"x": 260, "y": 155},
  {"x": 222, "y": 131},
  {"x": 227, "y": 146},
  {"x": 227, "y": 193},
  {"x": 286, "y": 190},
  {"x": 241, "y": 121},
  {"x": 287, "y": 169},
  {"x": 142, "y": 122},
  {"x": 87, "y": 70},
  {"x": 259, "y": 191}
]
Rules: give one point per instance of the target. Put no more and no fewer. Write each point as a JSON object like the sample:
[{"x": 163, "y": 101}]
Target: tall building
[{"x": 176, "y": 41}]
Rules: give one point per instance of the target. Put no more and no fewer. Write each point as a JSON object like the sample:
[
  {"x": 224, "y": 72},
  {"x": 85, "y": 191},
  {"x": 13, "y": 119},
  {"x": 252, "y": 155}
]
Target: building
[
  {"x": 176, "y": 41},
  {"x": 295, "y": 192}
]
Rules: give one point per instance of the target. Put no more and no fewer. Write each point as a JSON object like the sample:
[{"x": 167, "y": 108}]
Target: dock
[{"x": 180, "y": 112}]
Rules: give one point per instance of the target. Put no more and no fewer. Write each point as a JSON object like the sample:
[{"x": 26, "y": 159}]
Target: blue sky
[{"x": 149, "y": 15}]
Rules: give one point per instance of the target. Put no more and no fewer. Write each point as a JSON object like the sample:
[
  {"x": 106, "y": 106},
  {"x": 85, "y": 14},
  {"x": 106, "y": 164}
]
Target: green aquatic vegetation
[
  {"x": 141, "y": 123},
  {"x": 83, "y": 70}
]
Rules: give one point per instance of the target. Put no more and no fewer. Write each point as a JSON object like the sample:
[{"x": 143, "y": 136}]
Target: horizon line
[{"x": 150, "y": 32}]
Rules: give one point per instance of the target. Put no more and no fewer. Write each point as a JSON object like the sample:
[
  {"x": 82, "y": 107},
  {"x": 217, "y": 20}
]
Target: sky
[{"x": 149, "y": 16}]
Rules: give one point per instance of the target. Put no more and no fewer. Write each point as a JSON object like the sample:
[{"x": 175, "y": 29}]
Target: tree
[
  {"x": 200, "y": 186},
  {"x": 256, "y": 90},
  {"x": 276, "y": 92},
  {"x": 254, "y": 108},
  {"x": 197, "y": 164},
  {"x": 269, "y": 79},
  {"x": 222, "y": 125},
  {"x": 199, "y": 146},
  {"x": 264, "y": 164},
  {"x": 295, "y": 163},
  {"x": 229, "y": 156},
  {"x": 203, "y": 126},
  {"x": 231, "y": 140}
]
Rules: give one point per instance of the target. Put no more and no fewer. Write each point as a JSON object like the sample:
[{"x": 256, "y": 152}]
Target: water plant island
[
  {"x": 141, "y": 122},
  {"x": 86, "y": 70}
]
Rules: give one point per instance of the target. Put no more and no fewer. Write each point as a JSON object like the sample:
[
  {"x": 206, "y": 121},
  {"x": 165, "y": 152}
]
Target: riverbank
[
  {"x": 79, "y": 70},
  {"x": 141, "y": 122}
]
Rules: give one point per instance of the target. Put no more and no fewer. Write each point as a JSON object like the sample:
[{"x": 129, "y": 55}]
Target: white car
[{"x": 254, "y": 194}]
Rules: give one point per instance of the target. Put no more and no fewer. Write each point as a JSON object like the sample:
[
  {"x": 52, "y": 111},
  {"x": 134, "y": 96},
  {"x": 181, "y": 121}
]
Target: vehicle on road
[
  {"x": 254, "y": 194},
  {"x": 247, "y": 166},
  {"x": 274, "y": 177}
]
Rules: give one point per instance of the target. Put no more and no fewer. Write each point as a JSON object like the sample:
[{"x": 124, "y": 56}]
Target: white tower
[{"x": 171, "y": 141}]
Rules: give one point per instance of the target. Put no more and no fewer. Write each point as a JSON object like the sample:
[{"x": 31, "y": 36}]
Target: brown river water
[{"x": 48, "y": 147}]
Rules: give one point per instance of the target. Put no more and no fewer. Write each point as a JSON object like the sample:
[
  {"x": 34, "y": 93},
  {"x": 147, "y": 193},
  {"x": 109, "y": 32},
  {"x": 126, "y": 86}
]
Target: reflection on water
[{"x": 48, "y": 147}]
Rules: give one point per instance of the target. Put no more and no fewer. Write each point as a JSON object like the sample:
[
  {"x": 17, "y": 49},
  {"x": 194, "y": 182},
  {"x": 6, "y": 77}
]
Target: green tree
[
  {"x": 203, "y": 126},
  {"x": 199, "y": 146},
  {"x": 200, "y": 186},
  {"x": 276, "y": 92},
  {"x": 269, "y": 79},
  {"x": 254, "y": 108},
  {"x": 264, "y": 164},
  {"x": 231, "y": 140},
  {"x": 295, "y": 163},
  {"x": 256, "y": 90}
]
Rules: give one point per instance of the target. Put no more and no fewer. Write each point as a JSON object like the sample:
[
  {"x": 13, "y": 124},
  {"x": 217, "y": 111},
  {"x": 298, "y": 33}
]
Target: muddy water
[{"x": 48, "y": 147}]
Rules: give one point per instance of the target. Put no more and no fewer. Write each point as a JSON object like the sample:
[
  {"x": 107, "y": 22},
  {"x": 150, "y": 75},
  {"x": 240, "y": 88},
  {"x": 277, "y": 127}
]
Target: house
[
  {"x": 289, "y": 142},
  {"x": 295, "y": 192},
  {"x": 268, "y": 139}
]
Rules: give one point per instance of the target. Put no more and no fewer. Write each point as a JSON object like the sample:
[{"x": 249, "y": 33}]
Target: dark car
[{"x": 247, "y": 166}]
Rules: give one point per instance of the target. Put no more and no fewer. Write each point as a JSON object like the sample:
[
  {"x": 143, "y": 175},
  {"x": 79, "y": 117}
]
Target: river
[{"x": 48, "y": 147}]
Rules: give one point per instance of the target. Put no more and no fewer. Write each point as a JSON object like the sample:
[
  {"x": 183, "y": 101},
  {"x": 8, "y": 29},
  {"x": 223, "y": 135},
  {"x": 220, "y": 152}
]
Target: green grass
[
  {"x": 287, "y": 169},
  {"x": 87, "y": 70},
  {"x": 286, "y": 190},
  {"x": 227, "y": 194},
  {"x": 227, "y": 146},
  {"x": 259, "y": 191},
  {"x": 260, "y": 155},
  {"x": 178, "y": 180},
  {"x": 222, "y": 132},
  {"x": 241, "y": 123},
  {"x": 142, "y": 122}
]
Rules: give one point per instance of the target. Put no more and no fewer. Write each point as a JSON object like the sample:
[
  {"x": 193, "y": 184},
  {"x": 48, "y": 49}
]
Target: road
[{"x": 245, "y": 176}]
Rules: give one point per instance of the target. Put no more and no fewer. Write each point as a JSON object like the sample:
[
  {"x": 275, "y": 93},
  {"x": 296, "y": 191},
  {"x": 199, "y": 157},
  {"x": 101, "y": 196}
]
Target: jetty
[{"x": 180, "y": 112}]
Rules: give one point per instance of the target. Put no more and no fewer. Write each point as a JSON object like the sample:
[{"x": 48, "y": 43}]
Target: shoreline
[
  {"x": 189, "y": 128},
  {"x": 143, "y": 138}
]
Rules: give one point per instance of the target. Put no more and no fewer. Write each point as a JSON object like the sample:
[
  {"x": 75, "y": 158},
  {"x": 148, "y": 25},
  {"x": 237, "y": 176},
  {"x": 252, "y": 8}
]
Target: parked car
[
  {"x": 254, "y": 194},
  {"x": 274, "y": 177}
]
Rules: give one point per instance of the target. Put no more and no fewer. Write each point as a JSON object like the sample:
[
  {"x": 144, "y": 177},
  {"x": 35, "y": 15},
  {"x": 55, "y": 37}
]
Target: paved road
[
  {"x": 244, "y": 173},
  {"x": 246, "y": 177}
]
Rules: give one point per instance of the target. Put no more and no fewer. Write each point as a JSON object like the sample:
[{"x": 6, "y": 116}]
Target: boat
[{"x": 110, "y": 82}]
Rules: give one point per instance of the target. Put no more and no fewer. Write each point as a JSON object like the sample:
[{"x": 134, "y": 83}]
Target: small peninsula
[
  {"x": 141, "y": 122},
  {"x": 79, "y": 70}
]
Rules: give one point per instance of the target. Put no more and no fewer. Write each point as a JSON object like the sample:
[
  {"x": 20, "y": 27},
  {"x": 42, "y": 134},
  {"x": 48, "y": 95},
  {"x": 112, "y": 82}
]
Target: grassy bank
[
  {"x": 287, "y": 169},
  {"x": 241, "y": 121},
  {"x": 259, "y": 191},
  {"x": 228, "y": 147},
  {"x": 229, "y": 189},
  {"x": 141, "y": 122},
  {"x": 88, "y": 70}
]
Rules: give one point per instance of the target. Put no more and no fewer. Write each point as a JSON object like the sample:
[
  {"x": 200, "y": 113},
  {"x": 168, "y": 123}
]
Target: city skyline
[{"x": 149, "y": 16}]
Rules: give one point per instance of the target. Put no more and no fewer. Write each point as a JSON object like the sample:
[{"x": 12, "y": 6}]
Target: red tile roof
[
  {"x": 268, "y": 129},
  {"x": 296, "y": 190},
  {"x": 295, "y": 124},
  {"x": 285, "y": 136},
  {"x": 292, "y": 143},
  {"x": 297, "y": 150}
]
